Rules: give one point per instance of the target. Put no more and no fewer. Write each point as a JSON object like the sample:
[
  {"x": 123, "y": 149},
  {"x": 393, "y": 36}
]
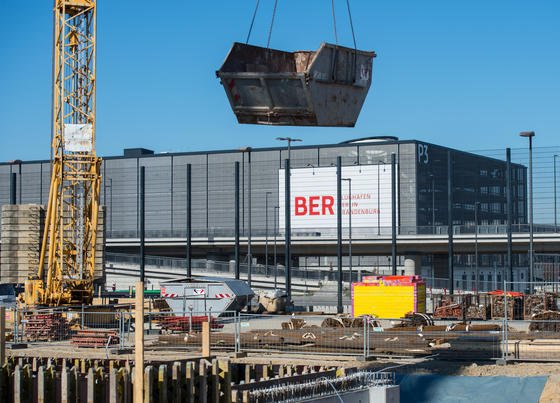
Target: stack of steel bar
[
  {"x": 46, "y": 327},
  {"x": 95, "y": 338},
  {"x": 477, "y": 312},
  {"x": 514, "y": 305},
  {"x": 320, "y": 340},
  {"x": 451, "y": 311},
  {"x": 539, "y": 303},
  {"x": 465, "y": 306},
  {"x": 546, "y": 321},
  {"x": 186, "y": 323}
]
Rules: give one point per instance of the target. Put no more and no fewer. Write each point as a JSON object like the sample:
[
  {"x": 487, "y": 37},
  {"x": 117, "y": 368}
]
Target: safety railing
[{"x": 357, "y": 233}]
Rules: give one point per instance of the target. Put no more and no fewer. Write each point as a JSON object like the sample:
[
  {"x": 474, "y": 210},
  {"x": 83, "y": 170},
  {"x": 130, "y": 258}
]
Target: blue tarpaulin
[{"x": 454, "y": 389}]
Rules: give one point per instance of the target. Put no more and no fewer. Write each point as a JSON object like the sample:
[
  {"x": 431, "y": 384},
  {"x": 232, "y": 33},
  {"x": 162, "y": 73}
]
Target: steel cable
[
  {"x": 252, "y": 22},
  {"x": 271, "y": 23},
  {"x": 351, "y": 23},
  {"x": 334, "y": 22}
]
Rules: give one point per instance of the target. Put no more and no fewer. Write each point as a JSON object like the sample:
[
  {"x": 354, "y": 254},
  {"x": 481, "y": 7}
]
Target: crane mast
[{"x": 67, "y": 257}]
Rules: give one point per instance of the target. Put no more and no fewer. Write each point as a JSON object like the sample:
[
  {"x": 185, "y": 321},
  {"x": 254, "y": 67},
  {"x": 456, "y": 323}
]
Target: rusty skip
[{"x": 326, "y": 87}]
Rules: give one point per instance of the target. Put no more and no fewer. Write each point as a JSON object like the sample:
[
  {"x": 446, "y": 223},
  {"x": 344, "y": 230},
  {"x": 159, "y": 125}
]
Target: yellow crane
[{"x": 67, "y": 256}]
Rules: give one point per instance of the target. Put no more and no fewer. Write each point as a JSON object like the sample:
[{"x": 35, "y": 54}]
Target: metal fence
[{"x": 514, "y": 326}]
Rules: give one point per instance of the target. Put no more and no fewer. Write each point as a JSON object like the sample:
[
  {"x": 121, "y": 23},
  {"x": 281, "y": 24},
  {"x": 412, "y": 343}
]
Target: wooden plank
[
  {"x": 190, "y": 382},
  {"x": 202, "y": 382},
  {"x": 90, "y": 394},
  {"x": 225, "y": 382},
  {"x": 148, "y": 387},
  {"x": 214, "y": 387},
  {"x": 177, "y": 383},
  {"x": 113, "y": 386},
  {"x": 162, "y": 383},
  {"x": 206, "y": 339}
]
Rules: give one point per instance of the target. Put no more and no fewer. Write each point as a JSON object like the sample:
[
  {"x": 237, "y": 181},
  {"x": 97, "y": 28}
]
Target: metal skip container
[
  {"x": 210, "y": 297},
  {"x": 305, "y": 88}
]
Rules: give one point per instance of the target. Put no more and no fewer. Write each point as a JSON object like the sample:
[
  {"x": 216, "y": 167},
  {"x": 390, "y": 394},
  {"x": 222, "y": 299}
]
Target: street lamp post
[
  {"x": 266, "y": 232},
  {"x": 379, "y": 199},
  {"x": 110, "y": 186},
  {"x": 555, "y": 189},
  {"x": 289, "y": 140},
  {"x": 276, "y": 211},
  {"x": 476, "y": 207},
  {"x": 433, "y": 178},
  {"x": 306, "y": 289},
  {"x": 249, "y": 254},
  {"x": 349, "y": 180},
  {"x": 530, "y": 136}
]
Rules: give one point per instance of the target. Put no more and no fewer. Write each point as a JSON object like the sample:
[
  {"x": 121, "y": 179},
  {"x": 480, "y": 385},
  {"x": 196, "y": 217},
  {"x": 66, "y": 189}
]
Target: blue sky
[{"x": 465, "y": 74}]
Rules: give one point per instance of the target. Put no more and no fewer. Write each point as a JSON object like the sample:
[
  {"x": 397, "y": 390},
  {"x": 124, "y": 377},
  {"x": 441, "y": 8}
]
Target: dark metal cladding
[{"x": 304, "y": 88}]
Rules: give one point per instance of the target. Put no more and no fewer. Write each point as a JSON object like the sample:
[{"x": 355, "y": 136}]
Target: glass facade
[{"x": 476, "y": 181}]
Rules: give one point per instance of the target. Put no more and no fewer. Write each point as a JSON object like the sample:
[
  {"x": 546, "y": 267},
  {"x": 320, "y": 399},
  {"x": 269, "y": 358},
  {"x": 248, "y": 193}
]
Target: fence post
[
  {"x": 237, "y": 332},
  {"x": 121, "y": 335},
  {"x": 82, "y": 316},
  {"x": 2, "y": 335},
  {"x": 16, "y": 325},
  {"x": 139, "y": 343},
  {"x": 506, "y": 321},
  {"x": 365, "y": 337},
  {"x": 206, "y": 339}
]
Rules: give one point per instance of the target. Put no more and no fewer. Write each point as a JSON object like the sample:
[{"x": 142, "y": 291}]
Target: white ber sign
[{"x": 314, "y": 202}]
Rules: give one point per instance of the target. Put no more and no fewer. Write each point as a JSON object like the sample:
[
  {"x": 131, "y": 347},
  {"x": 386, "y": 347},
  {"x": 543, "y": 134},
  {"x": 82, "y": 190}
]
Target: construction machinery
[{"x": 66, "y": 265}]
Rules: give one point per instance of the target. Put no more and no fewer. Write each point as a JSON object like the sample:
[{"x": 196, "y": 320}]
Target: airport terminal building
[{"x": 423, "y": 174}]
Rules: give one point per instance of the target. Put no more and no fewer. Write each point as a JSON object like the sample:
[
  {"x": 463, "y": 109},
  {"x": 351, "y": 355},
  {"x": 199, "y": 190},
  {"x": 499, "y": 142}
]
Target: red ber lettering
[
  {"x": 328, "y": 203},
  {"x": 301, "y": 205},
  {"x": 317, "y": 205},
  {"x": 314, "y": 205}
]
